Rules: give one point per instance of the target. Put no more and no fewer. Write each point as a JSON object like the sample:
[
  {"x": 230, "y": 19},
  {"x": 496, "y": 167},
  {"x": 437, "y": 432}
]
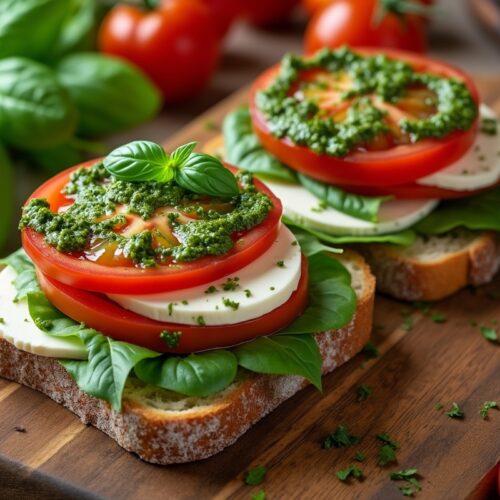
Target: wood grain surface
[{"x": 45, "y": 452}]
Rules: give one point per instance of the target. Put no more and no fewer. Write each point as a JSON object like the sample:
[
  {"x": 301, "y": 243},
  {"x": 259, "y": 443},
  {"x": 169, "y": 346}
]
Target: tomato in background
[
  {"x": 355, "y": 23},
  {"x": 267, "y": 12},
  {"x": 224, "y": 13},
  {"x": 176, "y": 44}
]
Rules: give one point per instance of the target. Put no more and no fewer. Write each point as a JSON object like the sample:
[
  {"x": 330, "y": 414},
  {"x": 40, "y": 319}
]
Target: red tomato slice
[
  {"x": 399, "y": 164},
  {"x": 413, "y": 191},
  {"x": 88, "y": 275},
  {"x": 98, "y": 312}
]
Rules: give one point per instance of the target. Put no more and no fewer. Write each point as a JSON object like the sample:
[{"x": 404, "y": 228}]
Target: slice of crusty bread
[
  {"x": 431, "y": 268},
  {"x": 435, "y": 267},
  {"x": 165, "y": 428}
]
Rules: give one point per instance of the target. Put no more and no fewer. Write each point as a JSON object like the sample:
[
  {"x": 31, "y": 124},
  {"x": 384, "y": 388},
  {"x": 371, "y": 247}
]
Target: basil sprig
[{"x": 147, "y": 161}]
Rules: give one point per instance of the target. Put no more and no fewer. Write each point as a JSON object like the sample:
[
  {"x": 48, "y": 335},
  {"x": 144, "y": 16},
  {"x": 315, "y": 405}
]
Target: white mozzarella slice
[
  {"x": 262, "y": 286},
  {"x": 478, "y": 168},
  {"x": 18, "y": 328},
  {"x": 302, "y": 206}
]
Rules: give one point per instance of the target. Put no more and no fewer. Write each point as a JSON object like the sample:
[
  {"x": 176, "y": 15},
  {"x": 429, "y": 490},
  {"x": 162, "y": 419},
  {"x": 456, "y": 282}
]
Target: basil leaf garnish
[
  {"x": 204, "y": 174},
  {"x": 197, "y": 375},
  {"x": 196, "y": 172},
  {"x": 139, "y": 161}
]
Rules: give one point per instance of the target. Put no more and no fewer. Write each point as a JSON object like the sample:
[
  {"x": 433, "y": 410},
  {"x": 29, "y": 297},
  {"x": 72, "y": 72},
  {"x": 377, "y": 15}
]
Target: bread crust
[
  {"x": 408, "y": 278},
  {"x": 168, "y": 437}
]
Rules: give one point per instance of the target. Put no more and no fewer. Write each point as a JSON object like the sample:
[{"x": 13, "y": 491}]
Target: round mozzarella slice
[
  {"x": 253, "y": 291},
  {"x": 19, "y": 329},
  {"x": 478, "y": 168},
  {"x": 302, "y": 206}
]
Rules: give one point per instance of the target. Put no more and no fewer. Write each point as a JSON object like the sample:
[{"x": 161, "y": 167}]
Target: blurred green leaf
[{"x": 6, "y": 194}]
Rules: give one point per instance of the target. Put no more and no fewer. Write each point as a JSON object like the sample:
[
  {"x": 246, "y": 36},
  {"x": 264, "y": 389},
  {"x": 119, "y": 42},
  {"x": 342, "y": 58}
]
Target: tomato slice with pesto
[
  {"x": 98, "y": 312},
  {"x": 90, "y": 231},
  {"x": 365, "y": 118}
]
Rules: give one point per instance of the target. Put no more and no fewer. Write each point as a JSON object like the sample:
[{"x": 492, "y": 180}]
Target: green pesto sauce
[
  {"x": 97, "y": 195},
  {"x": 301, "y": 120}
]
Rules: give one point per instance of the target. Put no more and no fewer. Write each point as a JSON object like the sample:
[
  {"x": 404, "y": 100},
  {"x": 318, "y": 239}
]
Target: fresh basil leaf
[
  {"x": 282, "y": 355},
  {"x": 108, "y": 366},
  {"x": 6, "y": 195},
  {"x": 403, "y": 238},
  {"x": 111, "y": 95},
  {"x": 197, "y": 375},
  {"x": 19, "y": 261},
  {"x": 332, "y": 301},
  {"x": 361, "y": 207},
  {"x": 29, "y": 28},
  {"x": 78, "y": 29},
  {"x": 25, "y": 283},
  {"x": 139, "y": 161},
  {"x": 35, "y": 110},
  {"x": 310, "y": 244},
  {"x": 204, "y": 174},
  {"x": 479, "y": 212},
  {"x": 244, "y": 150},
  {"x": 181, "y": 154}
]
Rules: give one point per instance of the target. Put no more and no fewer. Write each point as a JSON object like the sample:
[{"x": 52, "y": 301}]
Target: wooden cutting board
[{"x": 58, "y": 457}]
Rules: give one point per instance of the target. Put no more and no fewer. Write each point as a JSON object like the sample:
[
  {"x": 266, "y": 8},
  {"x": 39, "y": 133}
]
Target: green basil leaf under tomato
[
  {"x": 403, "y": 238},
  {"x": 29, "y": 28},
  {"x": 204, "y": 174},
  {"x": 139, "y": 161},
  {"x": 35, "y": 110},
  {"x": 479, "y": 212},
  {"x": 244, "y": 150},
  {"x": 110, "y": 94},
  {"x": 361, "y": 207},
  {"x": 332, "y": 301},
  {"x": 197, "y": 375},
  {"x": 311, "y": 245},
  {"x": 109, "y": 364},
  {"x": 6, "y": 194},
  {"x": 282, "y": 355}
]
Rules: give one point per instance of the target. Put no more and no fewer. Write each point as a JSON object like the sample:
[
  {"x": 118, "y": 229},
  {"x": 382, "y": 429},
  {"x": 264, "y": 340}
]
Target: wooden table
[{"x": 57, "y": 456}]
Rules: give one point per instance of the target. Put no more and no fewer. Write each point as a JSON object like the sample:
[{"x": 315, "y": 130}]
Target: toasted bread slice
[
  {"x": 165, "y": 428},
  {"x": 431, "y": 268}
]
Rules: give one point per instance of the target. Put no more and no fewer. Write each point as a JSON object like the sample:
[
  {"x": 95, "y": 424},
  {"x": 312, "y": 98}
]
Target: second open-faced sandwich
[{"x": 391, "y": 152}]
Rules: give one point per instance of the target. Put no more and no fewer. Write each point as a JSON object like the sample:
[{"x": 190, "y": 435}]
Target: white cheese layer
[
  {"x": 18, "y": 328},
  {"x": 303, "y": 207},
  {"x": 478, "y": 168},
  {"x": 261, "y": 287}
]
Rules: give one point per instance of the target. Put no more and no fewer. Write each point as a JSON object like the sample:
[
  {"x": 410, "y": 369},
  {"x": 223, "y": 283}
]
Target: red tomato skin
[
  {"x": 398, "y": 165},
  {"x": 98, "y": 312},
  {"x": 224, "y": 13},
  {"x": 94, "y": 277},
  {"x": 352, "y": 22},
  {"x": 176, "y": 44},
  {"x": 265, "y": 13}
]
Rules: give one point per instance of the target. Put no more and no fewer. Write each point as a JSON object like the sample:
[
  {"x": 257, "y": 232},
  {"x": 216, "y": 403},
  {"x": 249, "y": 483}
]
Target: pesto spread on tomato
[
  {"x": 143, "y": 224},
  {"x": 338, "y": 102}
]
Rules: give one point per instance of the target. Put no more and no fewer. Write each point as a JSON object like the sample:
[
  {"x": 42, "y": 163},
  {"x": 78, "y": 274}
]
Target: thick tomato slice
[
  {"x": 415, "y": 191},
  {"x": 80, "y": 273},
  {"x": 98, "y": 312},
  {"x": 382, "y": 165}
]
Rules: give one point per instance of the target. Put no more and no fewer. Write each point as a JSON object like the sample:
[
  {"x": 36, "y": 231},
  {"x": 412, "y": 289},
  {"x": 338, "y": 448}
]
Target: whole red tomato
[
  {"x": 224, "y": 13},
  {"x": 267, "y": 12},
  {"x": 357, "y": 23},
  {"x": 176, "y": 44}
]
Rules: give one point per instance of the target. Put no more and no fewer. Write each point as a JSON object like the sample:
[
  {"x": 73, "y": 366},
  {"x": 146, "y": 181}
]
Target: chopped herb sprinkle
[
  {"x": 351, "y": 471},
  {"x": 255, "y": 476},
  {"x": 340, "y": 438},
  {"x": 231, "y": 303},
  {"x": 200, "y": 320},
  {"x": 170, "y": 338},
  {"x": 486, "y": 407},
  {"x": 210, "y": 289},
  {"x": 363, "y": 391},
  {"x": 231, "y": 284},
  {"x": 248, "y": 293},
  {"x": 360, "y": 456},
  {"x": 370, "y": 350},
  {"x": 280, "y": 263},
  {"x": 489, "y": 333},
  {"x": 455, "y": 411}
]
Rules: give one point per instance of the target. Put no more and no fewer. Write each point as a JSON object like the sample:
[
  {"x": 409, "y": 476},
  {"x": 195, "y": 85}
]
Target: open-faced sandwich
[
  {"x": 160, "y": 298},
  {"x": 392, "y": 152}
]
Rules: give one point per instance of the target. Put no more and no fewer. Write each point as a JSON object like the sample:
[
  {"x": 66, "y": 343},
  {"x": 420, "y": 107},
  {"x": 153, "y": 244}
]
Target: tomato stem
[{"x": 401, "y": 8}]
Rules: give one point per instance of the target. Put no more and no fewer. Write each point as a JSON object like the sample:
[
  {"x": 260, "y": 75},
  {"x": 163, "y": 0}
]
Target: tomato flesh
[
  {"x": 392, "y": 160},
  {"x": 98, "y": 312},
  {"x": 105, "y": 270}
]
